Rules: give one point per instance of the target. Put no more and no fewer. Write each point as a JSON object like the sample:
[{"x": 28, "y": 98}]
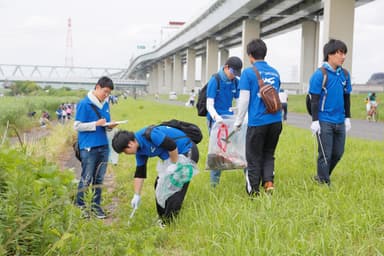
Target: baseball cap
[{"x": 236, "y": 64}]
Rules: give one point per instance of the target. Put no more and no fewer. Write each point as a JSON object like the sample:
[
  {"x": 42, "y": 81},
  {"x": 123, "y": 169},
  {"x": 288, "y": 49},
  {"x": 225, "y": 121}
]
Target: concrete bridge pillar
[
  {"x": 191, "y": 69},
  {"x": 177, "y": 79},
  {"x": 212, "y": 59},
  {"x": 168, "y": 74},
  {"x": 309, "y": 52},
  {"x": 224, "y": 55},
  {"x": 160, "y": 76},
  {"x": 203, "y": 78},
  {"x": 338, "y": 24},
  {"x": 251, "y": 30},
  {"x": 153, "y": 80}
]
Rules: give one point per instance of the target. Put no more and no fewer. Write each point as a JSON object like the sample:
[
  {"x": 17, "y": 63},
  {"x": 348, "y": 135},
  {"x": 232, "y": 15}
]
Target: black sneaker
[
  {"x": 99, "y": 213},
  {"x": 320, "y": 181}
]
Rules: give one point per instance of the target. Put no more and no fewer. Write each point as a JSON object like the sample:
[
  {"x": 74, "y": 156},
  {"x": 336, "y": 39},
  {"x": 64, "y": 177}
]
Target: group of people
[
  {"x": 64, "y": 112},
  {"x": 330, "y": 121}
]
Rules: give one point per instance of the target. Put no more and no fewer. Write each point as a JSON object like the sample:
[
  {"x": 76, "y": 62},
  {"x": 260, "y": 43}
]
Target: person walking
[
  {"x": 220, "y": 97},
  {"x": 166, "y": 143},
  {"x": 92, "y": 114},
  {"x": 330, "y": 109},
  {"x": 263, "y": 128},
  {"x": 283, "y": 96}
]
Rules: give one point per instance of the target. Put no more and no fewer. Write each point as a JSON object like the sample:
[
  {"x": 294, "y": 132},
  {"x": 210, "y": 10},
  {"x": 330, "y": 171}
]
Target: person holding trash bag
[
  {"x": 166, "y": 143},
  {"x": 331, "y": 109},
  {"x": 222, "y": 89},
  {"x": 264, "y": 128}
]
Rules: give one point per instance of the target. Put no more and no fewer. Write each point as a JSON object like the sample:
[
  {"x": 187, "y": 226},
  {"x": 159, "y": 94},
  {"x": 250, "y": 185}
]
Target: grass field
[{"x": 300, "y": 218}]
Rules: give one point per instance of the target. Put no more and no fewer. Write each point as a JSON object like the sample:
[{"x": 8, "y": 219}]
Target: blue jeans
[
  {"x": 214, "y": 174},
  {"x": 332, "y": 138},
  {"x": 94, "y": 165}
]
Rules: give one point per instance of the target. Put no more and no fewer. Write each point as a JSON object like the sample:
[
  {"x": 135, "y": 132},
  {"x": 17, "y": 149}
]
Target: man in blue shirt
[
  {"x": 92, "y": 114},
  {"x": 263, "y": 128},
  {"x": 164, "y": 142},
  {"x": 330, "y": 109},
  {"x": 220, "y": 97}
]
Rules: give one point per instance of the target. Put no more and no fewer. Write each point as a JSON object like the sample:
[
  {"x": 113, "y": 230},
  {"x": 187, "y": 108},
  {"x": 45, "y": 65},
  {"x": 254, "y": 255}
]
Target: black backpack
[
  {"x": 201, "y": 103},
  {"x": 191, "y": 130},
  {"x": 308, "y": 98}
]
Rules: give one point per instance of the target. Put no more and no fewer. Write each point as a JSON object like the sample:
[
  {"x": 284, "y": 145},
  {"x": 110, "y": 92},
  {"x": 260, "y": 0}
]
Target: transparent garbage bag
[
  {"x": 172, "y": 177},
  {"x": 226, "y": 150}
]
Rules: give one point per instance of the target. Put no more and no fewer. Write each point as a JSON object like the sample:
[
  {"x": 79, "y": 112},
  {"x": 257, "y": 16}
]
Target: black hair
[
  {"x": 121, "y": 139},
  {"x": 105, "y": 81},
  {"x": 257, "y": 49},
  {"x": 334, "y": 46}
]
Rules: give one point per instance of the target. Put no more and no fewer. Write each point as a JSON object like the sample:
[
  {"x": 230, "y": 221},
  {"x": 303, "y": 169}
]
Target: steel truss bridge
[{"x": 68, "y": 76}]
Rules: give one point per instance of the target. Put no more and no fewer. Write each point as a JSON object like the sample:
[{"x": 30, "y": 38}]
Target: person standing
[
  {"x": 330, "y": 109},
  {"x": 192, "y": 97},
  {"x": 220, "y": 97},
  {"x": 263, "y": 128},
  {"x": 166, "y": 143},
  {"x": 92, "y": 114},
  {"x": 283, "y": 96}
]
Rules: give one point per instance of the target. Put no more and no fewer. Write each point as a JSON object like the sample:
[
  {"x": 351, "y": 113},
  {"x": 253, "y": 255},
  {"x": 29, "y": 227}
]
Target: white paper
[{"x": 116, "y": 122}]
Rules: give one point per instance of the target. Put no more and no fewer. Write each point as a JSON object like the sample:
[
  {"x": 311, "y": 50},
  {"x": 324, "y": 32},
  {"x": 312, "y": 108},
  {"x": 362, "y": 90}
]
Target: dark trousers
[
  {"x": 173, "y": 203},
  {"x": 261, "y": 142},
  {"x": 285, "y": 110}
]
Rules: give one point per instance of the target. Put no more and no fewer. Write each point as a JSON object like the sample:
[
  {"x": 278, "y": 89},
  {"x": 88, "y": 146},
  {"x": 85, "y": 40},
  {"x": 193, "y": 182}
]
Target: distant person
[
  {"x": 219, "y": 102},
  {"x": 331, "y": 109},
  {"x": 92, "y": 114},
  {"x": 284, "y": 103},
  {"x": 264, "y": 128},
  {"x": 44, "y": 118},
  {"x": 192, "y": 97},
  {"x": 371, "y": 106},
  {"x": 166, "y": 143}
]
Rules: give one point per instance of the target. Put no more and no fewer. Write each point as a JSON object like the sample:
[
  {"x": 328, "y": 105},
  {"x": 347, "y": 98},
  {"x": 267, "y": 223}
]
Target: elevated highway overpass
[{"x": 232, "y": 23}]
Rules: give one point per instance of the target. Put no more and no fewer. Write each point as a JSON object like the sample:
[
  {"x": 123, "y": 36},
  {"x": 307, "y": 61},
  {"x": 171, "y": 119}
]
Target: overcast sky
[{"x": 106, "y": 33}]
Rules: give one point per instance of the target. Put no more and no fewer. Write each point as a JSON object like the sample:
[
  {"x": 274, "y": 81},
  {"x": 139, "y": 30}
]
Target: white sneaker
[{"x": 160, "y": 223}]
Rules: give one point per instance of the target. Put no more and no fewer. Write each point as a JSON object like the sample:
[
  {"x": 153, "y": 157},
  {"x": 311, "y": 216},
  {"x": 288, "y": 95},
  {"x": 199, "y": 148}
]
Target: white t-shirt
[{"x": 283, "y": 97}]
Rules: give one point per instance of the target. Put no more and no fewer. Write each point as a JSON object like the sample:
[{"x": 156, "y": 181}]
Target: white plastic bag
[
  {"x": 172, "y": 177},
  {"x": 226, "y": 150}
]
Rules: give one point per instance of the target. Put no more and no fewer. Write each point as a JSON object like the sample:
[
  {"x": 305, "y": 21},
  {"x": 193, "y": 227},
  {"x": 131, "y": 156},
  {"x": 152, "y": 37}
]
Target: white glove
[
  {"x": 218, "y": 119},
  {"x": 315, "y": 127},
  {"x": 347, "y": 123},
  {"x": 135, "y": 201},
  {"x": 236, "y": 127}
]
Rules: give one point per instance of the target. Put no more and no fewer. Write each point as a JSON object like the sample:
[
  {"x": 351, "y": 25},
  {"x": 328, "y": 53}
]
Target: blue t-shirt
[
  {"x": 257, "y": 112},
  {"x": 224, "y": 97},
  {"x": 151, "y": 148},
  {"x": 85, "y": 114},
  {"x": 331, "y": 105}
]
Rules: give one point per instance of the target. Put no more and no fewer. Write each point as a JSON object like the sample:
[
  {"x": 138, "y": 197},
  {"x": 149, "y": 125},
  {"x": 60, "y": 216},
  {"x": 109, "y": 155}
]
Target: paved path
[{"x": 360, "y": 128}]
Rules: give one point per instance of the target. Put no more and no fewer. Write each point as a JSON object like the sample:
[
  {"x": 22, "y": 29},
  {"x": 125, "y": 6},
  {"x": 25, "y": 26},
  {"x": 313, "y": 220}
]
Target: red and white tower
[{"x": 69, "y": 50}]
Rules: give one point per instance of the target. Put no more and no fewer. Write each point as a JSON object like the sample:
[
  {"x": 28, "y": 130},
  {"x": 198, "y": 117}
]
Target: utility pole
[{"x": 69, "y": 50}]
